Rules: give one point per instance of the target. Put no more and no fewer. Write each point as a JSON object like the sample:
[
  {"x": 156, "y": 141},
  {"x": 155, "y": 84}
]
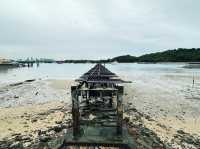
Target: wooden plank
[{"x": 82, "y": 144}]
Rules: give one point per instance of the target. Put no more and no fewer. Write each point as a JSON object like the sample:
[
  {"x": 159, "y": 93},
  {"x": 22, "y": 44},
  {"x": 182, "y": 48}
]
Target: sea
[{"x": 68, "y": 71}]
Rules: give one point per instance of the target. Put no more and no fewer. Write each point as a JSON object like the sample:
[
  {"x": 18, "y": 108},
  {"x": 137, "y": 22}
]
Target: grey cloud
[{"x": 96, "y": 29}]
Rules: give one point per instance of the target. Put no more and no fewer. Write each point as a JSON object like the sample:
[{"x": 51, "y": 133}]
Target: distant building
[{"x": 3, "y": 61}]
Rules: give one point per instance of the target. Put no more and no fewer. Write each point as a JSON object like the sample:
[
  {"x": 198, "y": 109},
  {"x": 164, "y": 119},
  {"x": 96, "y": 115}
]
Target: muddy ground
[{"x": 37, "y": 113}]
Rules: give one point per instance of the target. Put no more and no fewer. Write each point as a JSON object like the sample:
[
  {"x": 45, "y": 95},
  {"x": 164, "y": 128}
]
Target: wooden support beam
[
  {"x": 89, "y": 144},
  {"x": 119, "y": 114},
  {"x": 111, "y": 101},
  {"x": 97, "y": 109},
  {"x": 75, "y": 111},
  {"x": 87, "y": 97}
]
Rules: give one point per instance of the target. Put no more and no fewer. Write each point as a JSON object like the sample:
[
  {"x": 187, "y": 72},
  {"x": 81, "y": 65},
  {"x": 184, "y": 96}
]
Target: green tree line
[{"x": 176, "y": 55}]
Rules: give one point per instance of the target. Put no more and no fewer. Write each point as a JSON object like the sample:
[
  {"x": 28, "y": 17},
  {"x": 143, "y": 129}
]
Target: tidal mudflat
[
  {"x": 161, "y": 107},
  {"x": 171, "y": 104}
]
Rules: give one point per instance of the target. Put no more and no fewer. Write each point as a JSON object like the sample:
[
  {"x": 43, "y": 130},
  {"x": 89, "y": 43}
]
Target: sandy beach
[
  {"x": 171, "y": 101},
  {"x": 167, "y": 105}
]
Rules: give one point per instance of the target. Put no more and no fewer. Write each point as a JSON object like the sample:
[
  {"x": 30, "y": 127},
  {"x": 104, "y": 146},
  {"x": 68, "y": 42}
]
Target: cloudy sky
[{"x": 95, "y": 29}]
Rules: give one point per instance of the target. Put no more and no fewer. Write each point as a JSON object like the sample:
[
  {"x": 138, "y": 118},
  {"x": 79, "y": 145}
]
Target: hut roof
[{"x": 100, "y": 74}]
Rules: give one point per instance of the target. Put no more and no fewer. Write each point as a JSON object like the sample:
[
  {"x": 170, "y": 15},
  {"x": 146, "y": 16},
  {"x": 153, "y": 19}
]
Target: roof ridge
[{"x": 100, "y": 74}]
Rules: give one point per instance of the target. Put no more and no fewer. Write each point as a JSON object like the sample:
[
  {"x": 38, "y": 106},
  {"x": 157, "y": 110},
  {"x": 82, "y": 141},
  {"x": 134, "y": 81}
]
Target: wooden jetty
[{"x": 97, "y": 111}]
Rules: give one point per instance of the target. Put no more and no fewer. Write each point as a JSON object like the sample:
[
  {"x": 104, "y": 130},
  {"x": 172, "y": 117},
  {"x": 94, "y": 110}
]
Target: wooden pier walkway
[{"x": 97, "y": 110}]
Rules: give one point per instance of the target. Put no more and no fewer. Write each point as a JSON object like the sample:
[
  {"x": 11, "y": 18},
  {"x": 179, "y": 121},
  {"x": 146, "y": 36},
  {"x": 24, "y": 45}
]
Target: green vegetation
[
  {"x": 177, "y": 55},
  {"x": 87, "y": 61},
  {"x": 125, "y": 59}
]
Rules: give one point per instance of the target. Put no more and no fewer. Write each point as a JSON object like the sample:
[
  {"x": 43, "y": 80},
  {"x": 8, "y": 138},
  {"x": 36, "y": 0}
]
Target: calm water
[{"x": 72, "y": 71}]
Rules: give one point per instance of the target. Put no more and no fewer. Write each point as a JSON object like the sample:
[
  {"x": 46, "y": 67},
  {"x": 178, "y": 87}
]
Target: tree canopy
[{"x": 177, "y": 55}]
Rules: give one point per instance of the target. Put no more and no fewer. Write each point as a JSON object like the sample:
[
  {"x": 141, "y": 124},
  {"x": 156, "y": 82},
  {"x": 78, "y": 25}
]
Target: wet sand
[
  {"x": 171, "y": 101},
  {"x": 28, "y": 119},
  {"x": 167, "y": 104}
]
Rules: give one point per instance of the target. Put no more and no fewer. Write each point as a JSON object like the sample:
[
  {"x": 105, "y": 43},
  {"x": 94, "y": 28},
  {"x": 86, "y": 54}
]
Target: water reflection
[
  {"x": 6, "y": 69},
  {"x": 73, "y": 71}
]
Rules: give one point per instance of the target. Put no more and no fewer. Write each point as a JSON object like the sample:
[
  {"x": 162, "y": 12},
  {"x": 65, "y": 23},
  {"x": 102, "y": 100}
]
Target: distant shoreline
[{"x": 170, "y": 56}]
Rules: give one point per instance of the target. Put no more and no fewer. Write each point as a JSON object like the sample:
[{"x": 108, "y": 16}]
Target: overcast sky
[{"x": 95, "y": 29}]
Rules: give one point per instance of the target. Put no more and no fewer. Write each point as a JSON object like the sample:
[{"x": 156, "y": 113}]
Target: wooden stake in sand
[{"x": 193, "y": 81}]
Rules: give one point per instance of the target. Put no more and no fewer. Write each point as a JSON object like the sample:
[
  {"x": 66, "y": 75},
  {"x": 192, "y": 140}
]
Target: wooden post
[
  {"x": 87, "y": 97},
  {"x": 111, "y": 100},
  {"x": 75, "y": 111},
  {"x": 101, "y": 94},
  {"x": 119, "y": 114},
  {"x": 119, "y": 110}
]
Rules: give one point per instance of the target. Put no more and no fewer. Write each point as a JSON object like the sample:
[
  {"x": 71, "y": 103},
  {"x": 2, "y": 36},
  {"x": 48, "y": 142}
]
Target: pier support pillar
[
  {"x": 120, "y": 109},
  {"x": 75, "y": 111},
  {"x": 87, "y": 97},
  {"x": 119, "y": 114}
]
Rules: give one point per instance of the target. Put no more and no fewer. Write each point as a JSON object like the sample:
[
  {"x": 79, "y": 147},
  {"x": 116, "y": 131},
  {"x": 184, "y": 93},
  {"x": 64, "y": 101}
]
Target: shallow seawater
[{"x": 73, "y": 71}]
